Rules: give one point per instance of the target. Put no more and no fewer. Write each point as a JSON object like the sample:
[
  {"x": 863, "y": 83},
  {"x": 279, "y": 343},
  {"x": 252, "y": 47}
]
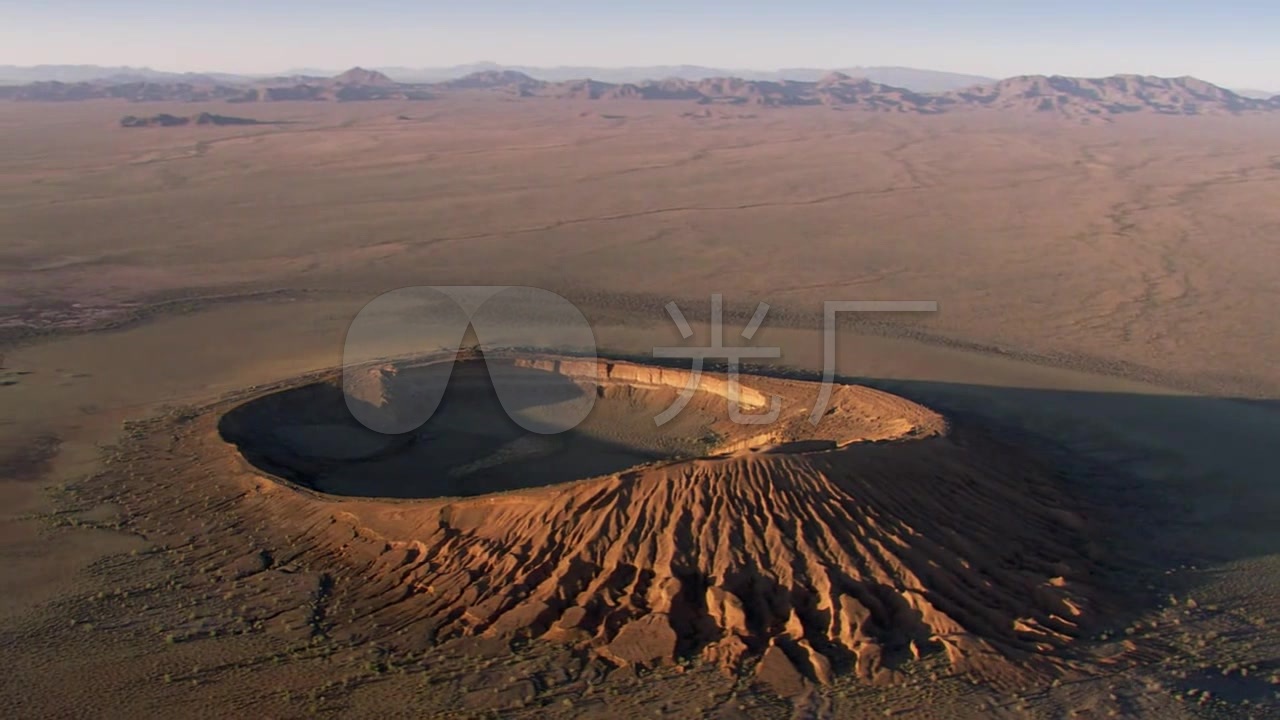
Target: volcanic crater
[
  {"x": 880, "y": 536},
  {"x": 472, "y": 443}
]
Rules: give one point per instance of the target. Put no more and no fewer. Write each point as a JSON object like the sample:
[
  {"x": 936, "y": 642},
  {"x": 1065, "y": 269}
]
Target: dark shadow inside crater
[{"x": 469, "y": 446}]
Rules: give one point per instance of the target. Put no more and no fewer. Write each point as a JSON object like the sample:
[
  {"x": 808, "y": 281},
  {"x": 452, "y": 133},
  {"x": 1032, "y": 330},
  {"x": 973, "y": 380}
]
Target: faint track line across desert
[{"x": 658, "y": 211}]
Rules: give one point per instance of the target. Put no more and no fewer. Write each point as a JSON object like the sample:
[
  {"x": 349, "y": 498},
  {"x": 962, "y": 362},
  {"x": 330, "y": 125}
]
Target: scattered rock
[
  {"x": 646, "y": 641},
  {"x": 779, "y": 674}
]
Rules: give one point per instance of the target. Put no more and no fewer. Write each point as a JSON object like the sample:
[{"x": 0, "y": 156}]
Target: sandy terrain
[
  {"x": 1125, "y": 272},
  {"x": 1121, "y": 243}
]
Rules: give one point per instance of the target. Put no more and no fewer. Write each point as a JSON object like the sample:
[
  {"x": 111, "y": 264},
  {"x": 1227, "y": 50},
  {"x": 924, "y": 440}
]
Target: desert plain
[{"x": 1106, "y": 296}]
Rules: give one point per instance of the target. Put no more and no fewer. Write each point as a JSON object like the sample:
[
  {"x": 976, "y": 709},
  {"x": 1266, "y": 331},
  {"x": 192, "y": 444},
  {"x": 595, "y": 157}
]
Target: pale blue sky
[{"x": 1231, "y": 42}]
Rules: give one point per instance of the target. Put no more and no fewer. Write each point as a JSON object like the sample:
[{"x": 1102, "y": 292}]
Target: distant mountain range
[
  {"x": 1115, "y": 95},
  {"x": 21, "y": 75},
  {"x": 1081, "y": 98},
  {"x": 916, "y": 79},
  {"x": 911, "y": 78}
]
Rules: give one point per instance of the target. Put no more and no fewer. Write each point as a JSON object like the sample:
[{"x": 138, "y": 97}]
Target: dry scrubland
[
  {"x": 1149, "y": 241},
  {"x": 159, "y": 570}
]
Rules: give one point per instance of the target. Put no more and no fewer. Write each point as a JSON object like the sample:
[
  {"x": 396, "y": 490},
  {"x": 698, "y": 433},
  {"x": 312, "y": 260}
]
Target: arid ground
[{"x": 1107, "y": 305}]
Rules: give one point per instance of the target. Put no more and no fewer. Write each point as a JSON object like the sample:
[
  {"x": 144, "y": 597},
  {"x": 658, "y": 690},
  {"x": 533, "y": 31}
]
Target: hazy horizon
[{"x": 1226, "y": 43}]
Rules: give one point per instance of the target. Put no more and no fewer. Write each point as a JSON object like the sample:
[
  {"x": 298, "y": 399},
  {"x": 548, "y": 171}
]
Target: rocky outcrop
[{"x": 167, "y": 120}]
